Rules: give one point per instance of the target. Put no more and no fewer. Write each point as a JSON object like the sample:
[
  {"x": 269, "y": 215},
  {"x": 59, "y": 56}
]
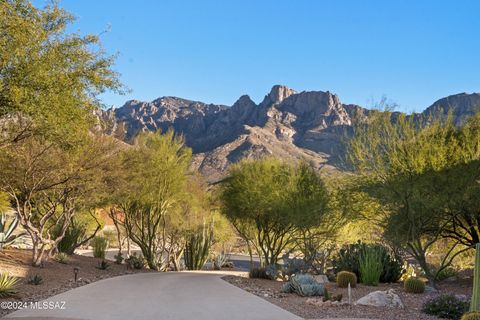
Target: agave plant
[
  {"x": 219, "y": 261},
  {"x": 35, "y": 280},
  {"x": 62, "y": 258},
  {"x": 6, "y": 230},
  {"x": 7, "y": 285}
]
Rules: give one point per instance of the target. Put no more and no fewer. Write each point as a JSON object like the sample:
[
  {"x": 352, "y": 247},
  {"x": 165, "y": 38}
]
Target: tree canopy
[
  {"x": 49, "y": 78},
  {"x": 268, "y": 201}
]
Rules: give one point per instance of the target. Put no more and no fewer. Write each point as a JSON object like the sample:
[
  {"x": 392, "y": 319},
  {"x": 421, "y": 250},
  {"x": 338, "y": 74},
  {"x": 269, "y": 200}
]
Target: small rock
[
  {"x": 461, "y": 297},
  {"x": 429, "y": 290},
  {"x": 266, "y": 295},
  {"x": 314, "y": 301}
]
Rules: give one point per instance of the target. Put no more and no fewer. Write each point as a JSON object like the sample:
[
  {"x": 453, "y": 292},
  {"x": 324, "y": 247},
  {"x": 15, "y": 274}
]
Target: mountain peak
[
  {"x": 280, "y": 93},
  {"x": 461, "y": 105}
]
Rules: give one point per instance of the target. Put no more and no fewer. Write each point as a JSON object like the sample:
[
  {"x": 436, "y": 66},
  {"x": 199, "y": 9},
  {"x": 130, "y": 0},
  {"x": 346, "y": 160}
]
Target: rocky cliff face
[
  {"x": 461, "y": 106},
  {"x": 286, "y": 124}
]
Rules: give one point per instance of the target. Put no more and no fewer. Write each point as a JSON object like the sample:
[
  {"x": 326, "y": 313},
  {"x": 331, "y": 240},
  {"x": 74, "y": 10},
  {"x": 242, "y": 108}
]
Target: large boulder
[{"x": 381, "y": 299}]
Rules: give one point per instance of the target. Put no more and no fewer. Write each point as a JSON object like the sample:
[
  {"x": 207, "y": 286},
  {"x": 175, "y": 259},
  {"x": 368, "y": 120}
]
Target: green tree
[
  {"x": 269, "y": 201},
  {"x": 49, "y": 185},
  {"x": 49, "y": 78},
  {"x": 154, "y": 187},
  {"x": 398, "y": 163}
]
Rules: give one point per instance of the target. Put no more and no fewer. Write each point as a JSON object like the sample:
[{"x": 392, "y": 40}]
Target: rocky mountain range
[{"x": 308, "y": 125}]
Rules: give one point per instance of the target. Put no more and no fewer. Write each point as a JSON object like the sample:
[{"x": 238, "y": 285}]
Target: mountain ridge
[{"x": 307, "y": 125}]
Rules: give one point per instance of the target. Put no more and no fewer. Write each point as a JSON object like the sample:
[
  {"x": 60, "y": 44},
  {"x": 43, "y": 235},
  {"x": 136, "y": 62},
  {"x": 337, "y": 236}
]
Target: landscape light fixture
[{"x": 75, "y": 273}]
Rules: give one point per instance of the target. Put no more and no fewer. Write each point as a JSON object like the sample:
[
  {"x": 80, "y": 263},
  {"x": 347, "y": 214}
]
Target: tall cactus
[
  {"x": 475, "y": 302},
  {"x": 6, "y": 232},
  {"x": 197, "y": 247}
]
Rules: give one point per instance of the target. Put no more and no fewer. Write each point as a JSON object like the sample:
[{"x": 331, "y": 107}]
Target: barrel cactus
[
  {"x": 472, "y": 315},
  {"x": 414, "y": 285},
  {"x": 346, "y": 277}
]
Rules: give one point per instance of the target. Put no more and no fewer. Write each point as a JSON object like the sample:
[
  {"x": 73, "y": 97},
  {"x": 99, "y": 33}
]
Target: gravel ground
[
  {"x": 57, "y": 277},
  {"x": 270, "y": 290}
]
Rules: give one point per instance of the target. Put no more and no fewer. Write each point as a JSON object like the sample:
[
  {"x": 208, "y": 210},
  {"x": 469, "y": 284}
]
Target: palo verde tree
[
  {"x": 154, "y": 186},
  {"x": 457, "y": 186},
  {"x": 49, "y": 78},
  {"x": 268, "y": 201},
  {"x": 399, "y": 164}
]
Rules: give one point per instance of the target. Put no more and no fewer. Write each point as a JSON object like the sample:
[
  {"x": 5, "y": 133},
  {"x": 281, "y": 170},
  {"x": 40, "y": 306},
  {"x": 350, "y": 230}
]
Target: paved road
[
  {"x": 162, "y": 296},
  {"x": 241, "y": 262}
]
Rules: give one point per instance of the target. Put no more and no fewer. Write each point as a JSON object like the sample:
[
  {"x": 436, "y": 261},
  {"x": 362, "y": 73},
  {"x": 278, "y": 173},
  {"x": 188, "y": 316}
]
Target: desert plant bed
[
  {"x": 306, "y": 307},
  {"x": 56, "y": 277}
]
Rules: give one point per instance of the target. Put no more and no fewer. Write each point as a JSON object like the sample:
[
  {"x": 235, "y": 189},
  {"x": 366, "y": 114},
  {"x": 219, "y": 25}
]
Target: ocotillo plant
[
  {"x": 475, "y": 303},
  {"x": 197, "y": 247}
]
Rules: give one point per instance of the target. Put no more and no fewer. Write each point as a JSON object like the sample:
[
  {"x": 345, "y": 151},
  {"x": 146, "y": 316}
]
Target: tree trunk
[
  {"x": 422, "y": 261},
  {"x": 38, "y": 254}
]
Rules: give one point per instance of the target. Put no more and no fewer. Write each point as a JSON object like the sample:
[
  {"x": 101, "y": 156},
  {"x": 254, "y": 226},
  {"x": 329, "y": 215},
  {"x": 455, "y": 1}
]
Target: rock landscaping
[{"x": 385, "y": 301}]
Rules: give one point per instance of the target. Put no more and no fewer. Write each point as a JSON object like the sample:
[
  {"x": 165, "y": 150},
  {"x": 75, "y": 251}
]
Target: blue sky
[{"x": 412, "y": 52}]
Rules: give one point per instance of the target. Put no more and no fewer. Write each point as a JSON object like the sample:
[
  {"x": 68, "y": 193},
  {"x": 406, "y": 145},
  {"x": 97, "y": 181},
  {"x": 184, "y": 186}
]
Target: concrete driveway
[{"x": 158, "y": 296}]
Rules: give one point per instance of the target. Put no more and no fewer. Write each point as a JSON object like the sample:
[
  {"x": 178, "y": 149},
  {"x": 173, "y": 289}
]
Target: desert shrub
[
  {"x": 118, "y": 258},
  {"x": 346, "y": 277},
  {"x": 348, "y": 259},
  {"x": 446, "y": 306},
  {"x": 82, "y": 228},
  {"x": 35, "y": 280},
  {"x": 135, "y": 262},
  {"x": 472, "y": 315},
  {"x": 304, "y": 285},
  {"x": 270, "y": 273},
  {"x": 446, "y": 273},
  {"x": 371, "y": 266},
  {"x": 328, "y": 297},
  {"x": 100, "y": 246},
  {"x": 103, "y": 265},
  {"x": 8, "y": 285},
  {"x": 70, "y": 239},
  {"x": 293, "y": 266},
  {"x": 258, "y": 273},
  {"x": 414, "y": 285},
  {"x": 61, "y": 257},
  {"x": 112, "y": 238}
]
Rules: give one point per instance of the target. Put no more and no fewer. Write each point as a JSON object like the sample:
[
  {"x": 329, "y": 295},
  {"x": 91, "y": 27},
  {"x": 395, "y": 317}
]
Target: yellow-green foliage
[
  {"x": 346, "y": 277},
  {"x": 473, "y": 315},
  {"x": 50, "y": 75},
  {"x": 414, "y": 285},
  {"x": 7, "y": 285}
]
